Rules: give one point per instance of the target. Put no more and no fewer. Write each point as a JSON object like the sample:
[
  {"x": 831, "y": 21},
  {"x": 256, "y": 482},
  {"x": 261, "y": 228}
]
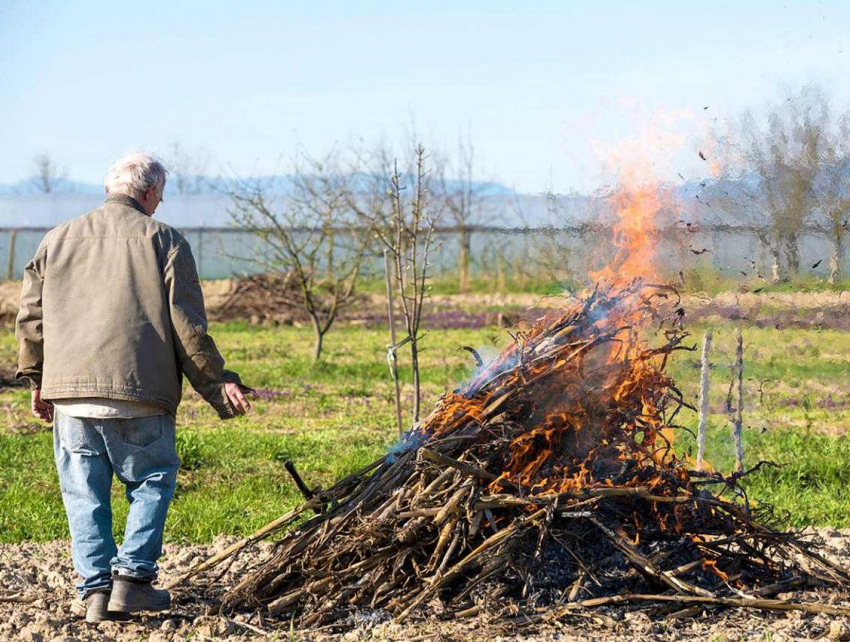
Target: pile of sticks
[
  {"x": 548, "y": 483},
  {"x": 265, "y": 297},
  {"x": 261, "y": 297}
]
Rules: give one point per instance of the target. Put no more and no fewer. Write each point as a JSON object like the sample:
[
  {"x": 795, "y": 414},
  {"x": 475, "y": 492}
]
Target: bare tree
[
  {"x": 745, "y": 200},
  {"x": 187, "y": 168},
  {"x": 47, "y": 176},
  {"x": 310, "y": 238},
  {"x": 777, "y": 163},
  {"x": 409, "y": 238},
  {"x": 833, "y": 192},
  {"x": 551, "y": 253}
]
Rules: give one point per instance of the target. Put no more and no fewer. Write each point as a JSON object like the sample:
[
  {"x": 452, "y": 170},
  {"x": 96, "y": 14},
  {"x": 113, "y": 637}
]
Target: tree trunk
[
  {"x": 703, "y": 398},
  {"x": 837, "y": 257},
  {"x": 329, "y": 265},
  {"x": 792, "y": 256},
  {"x": 775, "y": 267},
  {"x": 463, "y": 259},
  {"x": 319, "y": 337},
  {"x": 414, "y": 361},
  {"x": 388, "y": 275},
  {"x": 404, "y": 279}
]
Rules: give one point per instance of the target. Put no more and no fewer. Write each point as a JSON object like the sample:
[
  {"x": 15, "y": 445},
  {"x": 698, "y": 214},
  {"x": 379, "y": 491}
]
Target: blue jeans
[{"x": 143, "y": 455}]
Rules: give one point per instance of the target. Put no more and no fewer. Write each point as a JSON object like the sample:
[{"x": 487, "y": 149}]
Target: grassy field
[{"x": 336, "y": 416}]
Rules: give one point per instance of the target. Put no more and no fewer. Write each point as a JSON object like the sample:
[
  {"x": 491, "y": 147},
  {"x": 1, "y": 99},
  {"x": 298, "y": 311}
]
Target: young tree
[
  {"x": 409, "y": 238},
  {"x": 310, "y": 235},
  {"x": 47, "y": 176}
]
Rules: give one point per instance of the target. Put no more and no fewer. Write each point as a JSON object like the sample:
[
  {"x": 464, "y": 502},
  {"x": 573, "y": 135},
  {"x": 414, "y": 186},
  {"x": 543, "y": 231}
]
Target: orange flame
[
  {"x": 641, "y": 196},
  {"x": 635, "y": 233}
]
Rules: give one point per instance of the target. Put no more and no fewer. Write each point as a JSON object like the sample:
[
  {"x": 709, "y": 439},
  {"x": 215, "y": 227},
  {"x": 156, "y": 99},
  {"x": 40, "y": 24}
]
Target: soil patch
[{"x": 44, "y": 574}]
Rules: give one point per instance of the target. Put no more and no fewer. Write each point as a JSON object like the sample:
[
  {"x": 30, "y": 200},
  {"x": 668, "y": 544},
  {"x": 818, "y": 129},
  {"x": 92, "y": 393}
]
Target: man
[{"x": 112, "y": 315}]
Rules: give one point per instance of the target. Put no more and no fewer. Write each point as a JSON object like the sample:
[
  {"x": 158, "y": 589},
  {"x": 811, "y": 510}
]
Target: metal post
[
  {"x": 392, "y": 348},
  {"x": 739, "y": 411},
  {"x": 703, "y": 399}
]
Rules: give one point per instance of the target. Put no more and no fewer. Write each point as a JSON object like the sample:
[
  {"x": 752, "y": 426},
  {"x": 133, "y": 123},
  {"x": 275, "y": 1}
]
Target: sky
[{"x": 543, "y": 89}]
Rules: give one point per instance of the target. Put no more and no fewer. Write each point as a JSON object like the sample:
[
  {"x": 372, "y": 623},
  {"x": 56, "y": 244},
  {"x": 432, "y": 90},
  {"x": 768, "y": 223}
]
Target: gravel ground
[{"x": 43, "y": 574}]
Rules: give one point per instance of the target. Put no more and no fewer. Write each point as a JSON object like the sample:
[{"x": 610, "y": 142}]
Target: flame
[
  {"x": 641, "y": 196},
  {"x": 635, "y": 234}
]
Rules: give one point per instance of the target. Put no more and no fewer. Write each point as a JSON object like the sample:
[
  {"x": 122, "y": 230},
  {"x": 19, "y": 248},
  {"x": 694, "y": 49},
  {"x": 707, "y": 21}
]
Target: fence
[{"x": 550, "y": 253}]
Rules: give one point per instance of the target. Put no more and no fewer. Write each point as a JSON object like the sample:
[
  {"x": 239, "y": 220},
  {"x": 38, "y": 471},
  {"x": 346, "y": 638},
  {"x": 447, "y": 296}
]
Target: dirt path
[{"x": 44, "y": 572}]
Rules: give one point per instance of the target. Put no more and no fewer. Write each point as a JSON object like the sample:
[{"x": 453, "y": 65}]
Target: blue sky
[{"x": 541, "y": 86}]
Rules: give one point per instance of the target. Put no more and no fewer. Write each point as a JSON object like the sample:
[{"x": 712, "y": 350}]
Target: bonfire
[{"x": 546, "y": 483}]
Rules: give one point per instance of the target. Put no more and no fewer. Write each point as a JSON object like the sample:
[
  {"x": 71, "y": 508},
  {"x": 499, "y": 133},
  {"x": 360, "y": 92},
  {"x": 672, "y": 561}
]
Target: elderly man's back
[
  {"x": 112, "y": 316},
  {"x": 107, "y": 329}
]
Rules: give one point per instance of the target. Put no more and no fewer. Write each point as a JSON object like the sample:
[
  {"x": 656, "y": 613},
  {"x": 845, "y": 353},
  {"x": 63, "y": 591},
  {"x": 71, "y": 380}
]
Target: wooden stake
[
  {"x": 201, "y": 252},
  {"x": 501, "y": 273},
  {"x": 703, "y": 399},
  {"x": 739, "y": 411},
  {"x": 391, "y": 354},
  {"x": 10, "y": 272}
]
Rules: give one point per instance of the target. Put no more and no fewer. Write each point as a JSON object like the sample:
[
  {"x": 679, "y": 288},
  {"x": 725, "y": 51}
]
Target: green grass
[
  {"x": 810, "y": 484},
  {"x": 334, "y": 417}
]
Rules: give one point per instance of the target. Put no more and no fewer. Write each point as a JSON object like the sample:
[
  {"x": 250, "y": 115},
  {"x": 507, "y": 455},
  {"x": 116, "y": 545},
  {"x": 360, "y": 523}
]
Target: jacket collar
[{"x": 129, "y": 201}]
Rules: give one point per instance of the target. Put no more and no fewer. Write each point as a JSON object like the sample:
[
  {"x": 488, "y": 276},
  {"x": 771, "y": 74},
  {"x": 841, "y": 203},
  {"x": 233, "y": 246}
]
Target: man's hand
[
  {"x": 41, "y": 409},
  {"x": 237, "y": 399}
]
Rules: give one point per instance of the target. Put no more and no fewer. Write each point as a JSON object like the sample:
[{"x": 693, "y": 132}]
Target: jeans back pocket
[
  {"x": 78, "y": 435},
  {"x": 140, "y": 431}
]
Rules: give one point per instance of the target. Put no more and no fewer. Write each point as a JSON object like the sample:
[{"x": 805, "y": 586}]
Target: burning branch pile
[{"x": 547, "y": 481}]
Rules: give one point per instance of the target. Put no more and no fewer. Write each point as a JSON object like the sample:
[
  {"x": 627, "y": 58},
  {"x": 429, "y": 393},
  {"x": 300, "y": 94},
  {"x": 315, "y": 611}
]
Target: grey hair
[{"x": 135, "y": 174}]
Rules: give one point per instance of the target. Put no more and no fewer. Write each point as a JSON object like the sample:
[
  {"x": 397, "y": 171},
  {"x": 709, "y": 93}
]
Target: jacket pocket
[{"x": 141, "y": 431}]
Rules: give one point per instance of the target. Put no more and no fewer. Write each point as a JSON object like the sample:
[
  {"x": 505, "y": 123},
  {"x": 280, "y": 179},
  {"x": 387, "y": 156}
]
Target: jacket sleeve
[
  {"x": 197, "y": 355},
  {"x": 29, "y": 329}
]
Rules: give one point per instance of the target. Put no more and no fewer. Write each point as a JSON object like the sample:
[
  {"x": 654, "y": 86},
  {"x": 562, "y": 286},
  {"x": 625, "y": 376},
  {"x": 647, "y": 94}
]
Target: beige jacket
[{"x": 111, "y": 307}]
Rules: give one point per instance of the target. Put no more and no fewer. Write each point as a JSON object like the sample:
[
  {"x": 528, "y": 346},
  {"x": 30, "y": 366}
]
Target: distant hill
[
  {"x": 708, "y": 202},
  {"x": 206, "y": 185},
  {"x": 205, "y": 204},
  {"x": 213, "y": 210}
]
